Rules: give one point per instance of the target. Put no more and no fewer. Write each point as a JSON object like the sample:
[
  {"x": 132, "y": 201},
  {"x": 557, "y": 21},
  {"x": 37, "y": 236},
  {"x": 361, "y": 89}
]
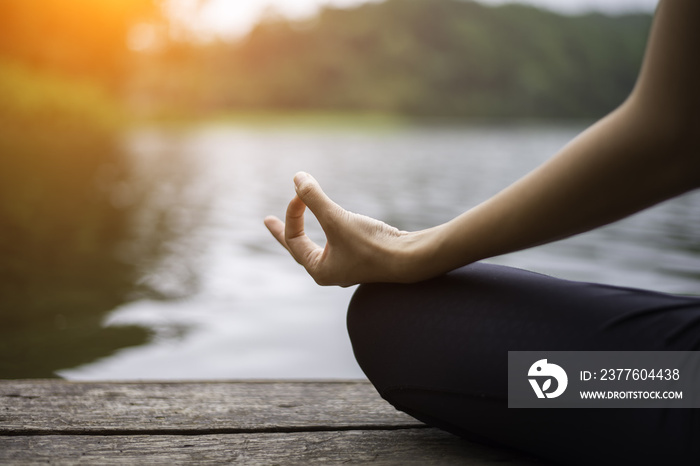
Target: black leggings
[{"x": 438, "y": 350}]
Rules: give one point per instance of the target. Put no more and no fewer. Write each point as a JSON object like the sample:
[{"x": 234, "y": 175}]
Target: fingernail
[{"x": 299, "y": 177}]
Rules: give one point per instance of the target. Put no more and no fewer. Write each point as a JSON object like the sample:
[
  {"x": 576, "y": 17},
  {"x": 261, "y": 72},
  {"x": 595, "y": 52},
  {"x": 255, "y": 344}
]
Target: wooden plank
[
  {"x": 58, "y": 406},
  {"x": 404, "y": 447}
]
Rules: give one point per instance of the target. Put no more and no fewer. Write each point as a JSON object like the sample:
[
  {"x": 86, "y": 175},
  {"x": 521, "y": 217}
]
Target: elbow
[
  {"x": 673, "y": 132},
  {"x": 682, "y": 147}
]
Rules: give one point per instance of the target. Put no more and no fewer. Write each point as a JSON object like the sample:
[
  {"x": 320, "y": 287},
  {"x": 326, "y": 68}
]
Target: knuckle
[
  {"x": 320, "y": 281},
  {"x": 321, "y": 278},
  {"x": 324, "y": 281},
  {"x": 335, "y": 219}
]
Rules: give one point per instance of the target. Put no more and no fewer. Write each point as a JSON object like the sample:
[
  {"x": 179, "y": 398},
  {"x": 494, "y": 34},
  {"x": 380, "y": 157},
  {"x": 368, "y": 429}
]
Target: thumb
[{"x": 310, "y": 192}]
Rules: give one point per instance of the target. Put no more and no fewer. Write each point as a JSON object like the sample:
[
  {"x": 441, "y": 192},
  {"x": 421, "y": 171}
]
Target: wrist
[{"x": 422, "y": 254}]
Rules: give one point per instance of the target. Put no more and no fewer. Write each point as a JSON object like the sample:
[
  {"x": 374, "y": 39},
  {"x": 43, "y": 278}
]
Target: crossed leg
[{"x": 438, "y": 351}]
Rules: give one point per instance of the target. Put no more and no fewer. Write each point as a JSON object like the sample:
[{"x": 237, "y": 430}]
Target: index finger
[{"x": 276, "y": 227}]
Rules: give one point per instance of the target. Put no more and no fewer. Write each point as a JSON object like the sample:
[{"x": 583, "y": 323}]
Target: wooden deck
[{"x": 267, "y": 422}]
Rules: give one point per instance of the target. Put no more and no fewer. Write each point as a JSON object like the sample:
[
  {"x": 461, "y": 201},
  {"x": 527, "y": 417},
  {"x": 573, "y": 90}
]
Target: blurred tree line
[
  {"x": 62, "y": 66},
  {"x": 451, "y": 58}
]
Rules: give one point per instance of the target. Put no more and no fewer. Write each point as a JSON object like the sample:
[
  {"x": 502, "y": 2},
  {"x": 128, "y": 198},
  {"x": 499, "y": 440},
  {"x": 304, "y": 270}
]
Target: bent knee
[
  {"x": 362, "y": 318},
  {"x": 359, "y": 311},
  {"x": 372, "y": 320}
]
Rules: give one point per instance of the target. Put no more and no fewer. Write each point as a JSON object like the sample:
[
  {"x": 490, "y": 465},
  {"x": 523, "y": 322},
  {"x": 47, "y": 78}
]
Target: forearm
[
  {"x": 646, "y": 151},
  {"x": 623, "y": 164}
]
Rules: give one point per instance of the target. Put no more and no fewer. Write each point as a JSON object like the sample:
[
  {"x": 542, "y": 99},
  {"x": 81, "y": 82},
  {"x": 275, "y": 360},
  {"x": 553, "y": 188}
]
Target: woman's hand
[{"x": 358, "y": 249}]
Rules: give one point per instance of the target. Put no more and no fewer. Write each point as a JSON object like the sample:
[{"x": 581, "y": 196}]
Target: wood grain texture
[
  {"x": 398, "y": 447},
  {"x": 255, "y": 423},
  {"x": 47, "y": 406}
]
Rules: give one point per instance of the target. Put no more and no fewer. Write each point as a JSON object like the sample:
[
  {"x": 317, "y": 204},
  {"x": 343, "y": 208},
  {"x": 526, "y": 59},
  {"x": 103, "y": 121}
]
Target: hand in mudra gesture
[{"x": 358, "y": 249}]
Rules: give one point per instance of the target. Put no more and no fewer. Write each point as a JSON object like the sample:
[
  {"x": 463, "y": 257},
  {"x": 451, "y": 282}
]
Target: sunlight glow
[{"x": 233, "y": 18}]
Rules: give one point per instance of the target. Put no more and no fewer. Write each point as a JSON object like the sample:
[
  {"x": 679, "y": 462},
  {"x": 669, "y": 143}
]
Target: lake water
[{"x": 239, "y": 307}]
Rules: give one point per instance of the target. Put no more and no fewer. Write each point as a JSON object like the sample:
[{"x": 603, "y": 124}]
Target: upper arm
[
  {"x": 669, "y": 82},
  {"x": 666, "y": 98}
]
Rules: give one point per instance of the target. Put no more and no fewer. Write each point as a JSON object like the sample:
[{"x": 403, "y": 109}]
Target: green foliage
[
  {"x": 61, "y": 63},
  {"x": 418, "y": 57},
  {"x": 31, "y": 97},
  {"x": 54, "y": 136},
  {"x": 58, "y": 229}
]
